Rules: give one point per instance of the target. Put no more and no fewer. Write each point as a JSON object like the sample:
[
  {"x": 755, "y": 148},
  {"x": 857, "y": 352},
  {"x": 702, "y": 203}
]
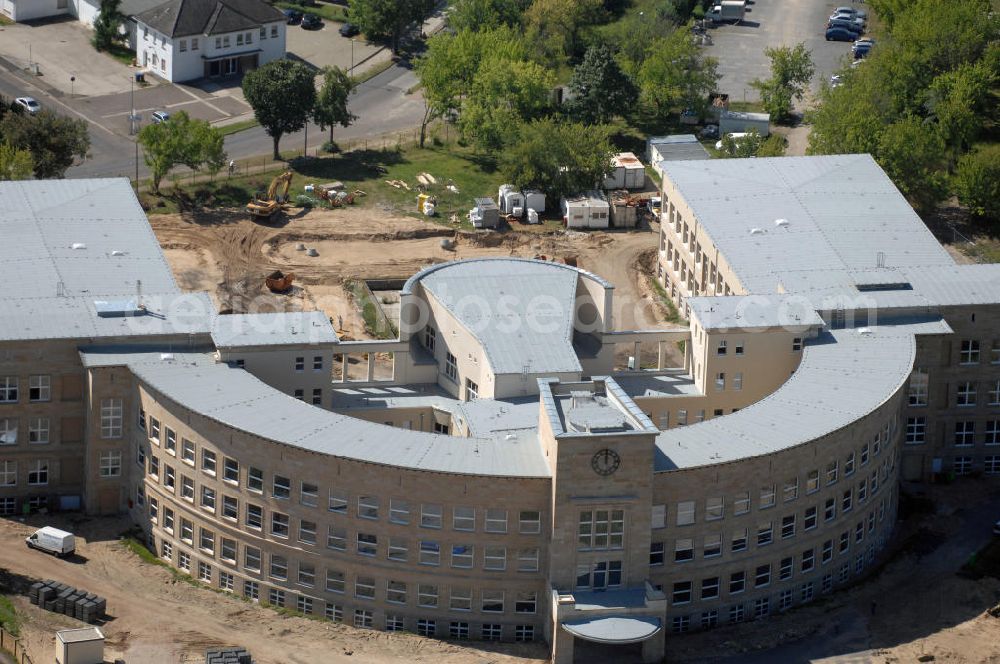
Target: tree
[
  {"x": 675, "y": 75},
  {"x": 282, "y": 94},
  {"x": 180, "y": 140},
  {"x": 15, "y": 164},
  {"x": 556, "y": 26},
  {"x": 331, "y": 101},
  {"x": 956, "y": 101},
  {"x": 911, "y": 151},
  {"x": 504, "y": 94},
  {"x": 389, "y": 19},
  {"x": 54, "y": 141},
  {"x": 479, "y": 15},
  {"x": 601, "y": 90},
  {"x": 632, "y": 36},
  {"x": 977, "y": 182},
  {"x": 108, "y": 24},
  {"x": 791, "y": 71},
  {"x": 556, "y": 157}
]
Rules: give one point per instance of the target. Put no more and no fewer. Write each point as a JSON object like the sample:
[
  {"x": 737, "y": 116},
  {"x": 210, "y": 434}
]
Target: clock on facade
[{"x": 605, "y": 462}]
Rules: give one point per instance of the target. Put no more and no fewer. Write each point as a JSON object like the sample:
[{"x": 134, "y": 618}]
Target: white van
[{"x": 52, "y": 540}]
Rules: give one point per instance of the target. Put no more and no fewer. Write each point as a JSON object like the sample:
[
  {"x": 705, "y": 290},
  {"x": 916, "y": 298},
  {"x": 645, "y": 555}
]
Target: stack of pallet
[
  {"x": 61, "y": 598},
  {"x": 228, "y": 656}
]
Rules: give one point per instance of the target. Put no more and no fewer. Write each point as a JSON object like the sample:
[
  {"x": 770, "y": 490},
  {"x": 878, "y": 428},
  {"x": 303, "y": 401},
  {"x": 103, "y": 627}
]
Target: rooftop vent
[
  {"x": 78, "y": 245},
  {"x": 117, "y": 252},
  {"x": 865, "y": 331},
  {"x": 756, "y": 231},
  {"x": 781, "y": 223},
  {"x": 117, "y": 308},
  {"x": 166, "y": 357}
]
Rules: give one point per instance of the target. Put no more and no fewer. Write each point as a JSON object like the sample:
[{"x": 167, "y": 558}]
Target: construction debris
[
  {"x": 398, "y": 184},
  {"x": 228, "y": 656},
  {"x": 427, "y": 178},
  {"x": 279, "y": 282}
]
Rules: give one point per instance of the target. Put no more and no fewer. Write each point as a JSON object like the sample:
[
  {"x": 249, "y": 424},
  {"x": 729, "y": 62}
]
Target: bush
[
  {"x": 330, "y": 147},
  {"x": 304, "y": 201},
  {"x": 977, "y": 182}
]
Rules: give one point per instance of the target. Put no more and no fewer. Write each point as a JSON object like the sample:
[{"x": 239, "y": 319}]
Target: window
[
  {"x": 710, "y": 588},
  {"x": 367, "y": 507},
  {"x": 767, "y": 496},
  {"x": 300, "y": 394},
  {"x": 530, "y": 522},
  {"x": 317, "y": 363},
  {"x": 168, "y": 520},
  {"x": 812, "y": 482},
  {"x": 208, "y": 498},
  {"x": 496, "y": 521},
  {"x": 206, "y": 541},
  {"x": 300, "y": 363},
  {"x": 8, "y": 473},
  {"x": 685, "y": 513},
  {"x": 39, "y": 388},
  {"x": 8, "y": 431},
  {"x": 741, "y": 504},
  {"x": 451, "y": 367},
  {"x": 337, "y": 502},
  {"x": 335, "y": 581},
  {"x": 255, "y": 479},
  {"x": 492, "y": 601},
  {"x": 796, "y": 344},
  {"x": 336, "y": 538},
  {"x": 462, "y": 556},
  {"x": 427, "y": 595},
  {"x": 739, "y": 349},
  {"x": 494, "y": 558},
  {"x": 683, "y": 550},
  {"x": 965, "y": 434},
  {"x": 600, "y": 529},
  {"x": 187, "y": 488},
  {"x": 395, "y": 592},
  {"x": 274, "y": 31},
  {"x": 279, "y": 567},
  {"x": 308, "y": 494},
  {"x": 965, "y": 395},
  {"x": 397, "y": 549},
  {"x": 527, "y": 560},
  {"x": 111, "y": 463},
  {"x": 317, "y": 398},
  {"x": 38, "y": 430},
  {"x": 171, "y": 444},
  {"x": 471, "y": 390},
  {"x": 426, "y": 627},
  {"x": 460, "y": 599},
  {"x": 738, "y": 380},
  {"x": 762, "y": 576},
  {"x": 991, "y": 464},
  {"x": 367, "y": 544},
  {"x": 334, "y": 612},
  {"x": 187, "y": 451},
  {"x": 251, "y": 590},
  {"x": 279, "y": 524},
  {"x": 227, "y": 550},
  {"x": 169, "y": 479},
  {"x": 916, "y": 428},
  {"x": 827, "y": 554},
  {"x": 918, "y": 387},
  {"x": 282, "y": 487},
  {"x": 307, "y": 532},
  {"x": 722, "y": 347},
  {"x": 430, "y": 516},
  {"x": 994, "y": 398},
  {"x": 720, "y": 381},
  {"x": 714, "y": 508},
  {"x": 304, "y": 604},
  {"x": 464, "y": 518},
  {"x": 393, "y": 622},
  {"x": 849, "y": 465},
  {"x": 8, "y": 389},
  {"x": 364, "y": 587},
  {"x": 681, "y": 593},
  {"x": 274, "y": 596},
  {"x": 831, "y": 472},
  {"x": 430, "y": 553},
  {"x": 791, "y": 489},
  {"x": 187, "y": 531},
  {"x": 737, "y": 582},
  {"x": 785, "y": 568},
  {"x": 231, "y": 470},
  {"x": 712, "y": 546},
  {"x": 208, "y": 462},
  {"x": 765, "y": 534},
  {"x": 992, "y": 436},
  {"x": 960, "y": 466},
  {"x": 808, "y": 560},
  {"x": 736, "y": 613},
  {"x": 788, "y": 526},
  {"x": 739, "y": 542},
  {"x": 845, "y": 503},
  {"x": 845, "y": 542},
  {"x": 184, "y": 560},
  {"x": 38, "y": 473},
  {"x": 111, "y": 418},
  {"x": 809, "y": 522},
  {"x": 166, "y": 550},
  {"x": 525, "y": 601},
  {"x": 969, "y": 353},
  {"x": 656, "y": 553}
]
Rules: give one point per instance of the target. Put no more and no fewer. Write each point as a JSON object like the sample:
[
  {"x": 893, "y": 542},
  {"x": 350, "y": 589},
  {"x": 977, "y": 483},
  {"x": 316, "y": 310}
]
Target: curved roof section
[
  {"x": 844, "y": 375},
  {"x": 521, "y": 311},
  {"x": 237, "y": 399},
  {"x": 614, "y": 629}
]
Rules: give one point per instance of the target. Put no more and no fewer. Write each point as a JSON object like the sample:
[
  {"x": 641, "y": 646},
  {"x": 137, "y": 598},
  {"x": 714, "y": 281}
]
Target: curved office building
[{"x": 506, "y": 483}]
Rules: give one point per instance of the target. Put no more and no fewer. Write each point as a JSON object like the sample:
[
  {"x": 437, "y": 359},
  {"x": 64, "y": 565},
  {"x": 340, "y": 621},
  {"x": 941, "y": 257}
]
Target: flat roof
[
  {"x": 844, "y": 375},
  {"x": 80, "y": 635},
  {"x": 235, "y": 398},
  {"x": 520, "y": 311},
  {"x": 273, "y": 329},
  {"x": 754, "y": 312}
]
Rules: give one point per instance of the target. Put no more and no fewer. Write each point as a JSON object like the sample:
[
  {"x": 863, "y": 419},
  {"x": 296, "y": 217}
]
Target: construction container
[
  {"x": 586, "y": 210},
  {"x": 732, "y": 122},
  {"x": 534, "y": 200},
  {"x": 624, "y": 210},
  {"x": 486, "y": 214},
  {"x": 627, "y": 172},
  {"x": 677, "y": 147},
  {"x": 80, "y": 646},
  {"x": 510, "y": 199}
]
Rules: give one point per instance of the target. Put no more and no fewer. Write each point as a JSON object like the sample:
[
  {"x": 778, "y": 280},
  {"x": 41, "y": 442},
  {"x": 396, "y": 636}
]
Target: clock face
[{"x": 605, "y": 462}]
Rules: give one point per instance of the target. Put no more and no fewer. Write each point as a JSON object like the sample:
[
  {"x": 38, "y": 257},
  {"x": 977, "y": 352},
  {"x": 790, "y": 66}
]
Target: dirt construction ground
[{"x": 228, "y": 255}]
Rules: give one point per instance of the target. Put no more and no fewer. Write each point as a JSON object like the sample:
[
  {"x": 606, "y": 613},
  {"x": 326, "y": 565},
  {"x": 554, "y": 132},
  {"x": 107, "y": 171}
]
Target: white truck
[
  {"x": 52, "y": 540},
  {"x": 727, "y": 10}
]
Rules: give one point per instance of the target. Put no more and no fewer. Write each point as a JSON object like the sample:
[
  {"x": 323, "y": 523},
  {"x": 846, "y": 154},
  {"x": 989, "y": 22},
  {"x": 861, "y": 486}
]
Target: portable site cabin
[
  {"x": 486, "y": 214},
  {"x": 586, "y": 210},
  {"x": 678, "y": 147},
  {"x": 534, "y": 200},
  {"x": 627, "y": 172},
  {"x": 511, "y": 200},
  {"x": 731, "y": 122},
  {"x": 80, "y": 646}
]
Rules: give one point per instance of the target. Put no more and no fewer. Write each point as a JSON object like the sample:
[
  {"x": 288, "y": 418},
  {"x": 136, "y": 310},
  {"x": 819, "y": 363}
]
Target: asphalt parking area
[
  {"x": 740, "y": 48},
  {"x": 325, "y": 47}
]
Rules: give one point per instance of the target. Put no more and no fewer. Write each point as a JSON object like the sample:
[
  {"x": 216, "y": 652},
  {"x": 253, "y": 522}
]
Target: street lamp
[
  {"x": 352, "y": 56},
  {"x": 72, "y": 80}
]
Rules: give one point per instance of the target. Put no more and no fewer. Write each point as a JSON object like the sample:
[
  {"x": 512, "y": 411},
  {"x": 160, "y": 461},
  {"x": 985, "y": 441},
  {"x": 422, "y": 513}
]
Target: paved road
[{"x": 740, "y": 48}]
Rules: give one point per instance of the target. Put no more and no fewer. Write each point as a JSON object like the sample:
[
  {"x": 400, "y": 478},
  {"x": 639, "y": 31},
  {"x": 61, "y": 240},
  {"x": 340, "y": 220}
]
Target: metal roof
[
  {"x": 614, "y": 629},
  {"x": 69, "y": 243},
  {"x": 678, "y": 147},
  {"x": 520, "y": 311},
  {"x": 844, "y": 375},
  {"x": 273, "y": 329},
  {"x": 754, "y": 312},
  {"x": 237, "y": 399}
]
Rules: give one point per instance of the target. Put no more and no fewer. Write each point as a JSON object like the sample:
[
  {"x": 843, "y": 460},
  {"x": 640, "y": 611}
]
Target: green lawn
[
  {"x": 122, "y": 54},
  {"x": 366, "y": 170},
  {"x": 238, "y": 126},
  {"x": 8, "y": 616},
  {"x": 327, "y": 12}
]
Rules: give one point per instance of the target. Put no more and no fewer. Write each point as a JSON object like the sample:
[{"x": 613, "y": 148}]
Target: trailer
[
  {"x": 511, "y": 200},
  {"x": 735, "y": 122},
  {"x": 727, "y": 11},
  {"x": 585, "y": 210},
  {"x": 534, "y": 200},
  {"x": 627, "y": 172}
]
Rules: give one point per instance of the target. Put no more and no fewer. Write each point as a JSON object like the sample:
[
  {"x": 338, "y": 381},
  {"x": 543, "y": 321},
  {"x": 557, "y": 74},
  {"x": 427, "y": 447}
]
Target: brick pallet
[
  {"x": 228, "y": 656},
  {"x": 61, "y": 598}
]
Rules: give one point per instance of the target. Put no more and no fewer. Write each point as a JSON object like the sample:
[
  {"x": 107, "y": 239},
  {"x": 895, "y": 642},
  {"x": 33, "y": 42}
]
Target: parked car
[
  {"x": 52, "y": 540},
  {"x": 312, "y": 22},
  {"x": 849, "y": 17},
  {"x": 847, "y": 25},
  {"x": 709, "y": 131},
  {"x": 349, "y": 30},
  {"x": 861, "y": 51},
  {"x": 160, "y": 116},
  {"x": 28, "y": 104},
  {"x": 840, "y": 34},
  {"x": 292, "y": 16},
  {"x": 859, "y": 23},
  {"x": 860, "y": 13}
]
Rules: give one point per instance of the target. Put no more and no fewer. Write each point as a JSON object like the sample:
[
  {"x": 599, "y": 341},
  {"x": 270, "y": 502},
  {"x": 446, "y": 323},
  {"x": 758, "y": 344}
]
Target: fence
[{"x": 13, "y": 646}]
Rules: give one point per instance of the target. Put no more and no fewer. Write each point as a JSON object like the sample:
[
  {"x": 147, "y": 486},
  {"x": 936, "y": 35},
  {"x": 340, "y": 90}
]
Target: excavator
[{"x": 265, "y": 207}]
